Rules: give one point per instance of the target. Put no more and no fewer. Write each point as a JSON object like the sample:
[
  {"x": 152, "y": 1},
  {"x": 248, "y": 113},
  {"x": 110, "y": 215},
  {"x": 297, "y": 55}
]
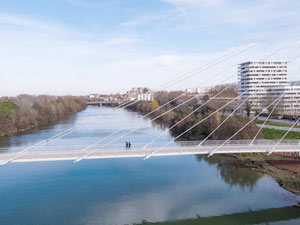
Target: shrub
[{"x": 6, "y": 107}]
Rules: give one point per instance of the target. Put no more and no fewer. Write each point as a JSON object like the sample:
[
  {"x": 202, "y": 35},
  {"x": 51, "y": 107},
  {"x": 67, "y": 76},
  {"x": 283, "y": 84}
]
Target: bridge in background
[{"x": 100, "y": 103}]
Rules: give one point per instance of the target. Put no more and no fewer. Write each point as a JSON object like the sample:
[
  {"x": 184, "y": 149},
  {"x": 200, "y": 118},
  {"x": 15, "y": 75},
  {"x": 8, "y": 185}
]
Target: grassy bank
[
  {"x": 277, "y": 124},
  {"x": 277, "y": 134}
]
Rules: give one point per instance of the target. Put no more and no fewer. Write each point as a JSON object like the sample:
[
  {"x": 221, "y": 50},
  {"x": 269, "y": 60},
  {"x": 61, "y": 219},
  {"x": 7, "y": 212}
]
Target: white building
[
  {"x": 264, "y": 82},
  {"x": 145, "y": 97},
  {"x": 140, "y": 93},
  {"x": 202, "y": 90}
]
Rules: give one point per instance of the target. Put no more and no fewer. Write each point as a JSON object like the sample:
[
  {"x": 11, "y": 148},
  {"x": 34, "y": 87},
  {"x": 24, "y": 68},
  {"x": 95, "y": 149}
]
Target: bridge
[
  {"x": 185, "y": 148},
  {"x": 228, "y": 146},
  {"x": 101, "y": 103}
]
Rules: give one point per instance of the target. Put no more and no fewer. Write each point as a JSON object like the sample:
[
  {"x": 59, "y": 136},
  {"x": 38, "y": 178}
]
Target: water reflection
[
  {"x": 159, "y": 124},
  {"x": 126, "y": 191},
  {"x": 28, "y": 138},
  {"x": 95, "y": 123},
  {"x": 231, "y": 173}
]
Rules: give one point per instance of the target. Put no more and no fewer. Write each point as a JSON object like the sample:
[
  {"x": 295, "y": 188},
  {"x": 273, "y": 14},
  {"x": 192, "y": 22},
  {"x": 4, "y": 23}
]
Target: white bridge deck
[{"x": 154, "y": 152}]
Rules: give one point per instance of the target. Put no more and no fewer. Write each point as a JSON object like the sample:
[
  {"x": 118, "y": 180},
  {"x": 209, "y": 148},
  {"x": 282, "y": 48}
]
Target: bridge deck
[{"x": 122, "y": 153}]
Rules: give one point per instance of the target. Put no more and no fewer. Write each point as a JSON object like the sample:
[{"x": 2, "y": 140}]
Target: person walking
[{"x": 127, "y": 144}]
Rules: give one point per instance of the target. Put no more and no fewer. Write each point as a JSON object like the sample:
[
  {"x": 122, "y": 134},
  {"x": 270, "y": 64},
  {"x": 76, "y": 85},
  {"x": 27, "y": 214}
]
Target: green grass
[
  {"x": 6, "y": 107},
  {"x": 277, "y": 134},
  {"x": 77, "y": 100},
  {"x": 277, "y": 124},
  {"x": 2, "y": 134}
]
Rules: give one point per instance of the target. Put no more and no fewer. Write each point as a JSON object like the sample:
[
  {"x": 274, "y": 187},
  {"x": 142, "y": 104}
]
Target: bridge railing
[{"x": 239, "y": 142}]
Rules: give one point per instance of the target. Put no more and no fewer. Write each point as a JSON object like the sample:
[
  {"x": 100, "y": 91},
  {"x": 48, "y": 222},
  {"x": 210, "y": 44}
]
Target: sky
[{"x": 77, "y": 47}]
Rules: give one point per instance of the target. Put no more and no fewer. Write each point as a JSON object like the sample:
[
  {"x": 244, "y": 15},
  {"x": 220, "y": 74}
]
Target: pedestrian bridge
[{"x": 183, "y": 148}]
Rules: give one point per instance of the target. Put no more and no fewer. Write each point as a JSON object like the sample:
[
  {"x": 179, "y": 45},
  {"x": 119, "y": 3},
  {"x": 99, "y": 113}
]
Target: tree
[
  {"x": 45, "y": 102},
  {"x": 154, "y": 105},
  {"x": 273, "y": 111},
  {"x": 248, "y": 108}
]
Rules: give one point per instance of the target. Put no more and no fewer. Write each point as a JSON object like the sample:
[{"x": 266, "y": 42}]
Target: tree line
[
  {"x": 26, "y": 112},
  {"x": 232, "y": 125}
]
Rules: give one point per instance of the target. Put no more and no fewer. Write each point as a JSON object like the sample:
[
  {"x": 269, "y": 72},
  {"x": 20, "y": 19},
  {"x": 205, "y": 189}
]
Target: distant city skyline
[{"x": 78, "y": 47}]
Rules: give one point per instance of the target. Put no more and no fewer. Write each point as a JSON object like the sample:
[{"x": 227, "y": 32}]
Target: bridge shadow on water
[{"x": 265, "y": 216}]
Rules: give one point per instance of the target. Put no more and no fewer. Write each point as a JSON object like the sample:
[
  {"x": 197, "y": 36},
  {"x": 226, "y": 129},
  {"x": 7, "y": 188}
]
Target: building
[
  {"x": 140, "y": 93},
  {"x": 265, "y": 81},
  {"x": 202, "y": 90},
  {"x": 94, "y": 96},
  {"x": 145, "y": 97}
]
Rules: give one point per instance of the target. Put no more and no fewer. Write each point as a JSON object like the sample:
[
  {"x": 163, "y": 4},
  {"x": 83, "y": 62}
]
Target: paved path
[{"x": 101, "y": 154}]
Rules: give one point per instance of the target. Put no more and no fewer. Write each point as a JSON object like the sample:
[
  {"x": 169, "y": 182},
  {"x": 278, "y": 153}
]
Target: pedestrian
[{"x": 127, "y": 144}]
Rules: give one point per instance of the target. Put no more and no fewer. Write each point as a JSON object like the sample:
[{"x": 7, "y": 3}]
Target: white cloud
[
  {"x": 26, "y": 25},
  {"x": 195, "y": 2},
  {"x": 122, "y": 40},
  {"x": 147, "y": 50},
  {"x": 74, "y": 2}
]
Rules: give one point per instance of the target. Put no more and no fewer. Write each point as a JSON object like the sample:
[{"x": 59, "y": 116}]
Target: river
[{"x": 130, "y": 190}]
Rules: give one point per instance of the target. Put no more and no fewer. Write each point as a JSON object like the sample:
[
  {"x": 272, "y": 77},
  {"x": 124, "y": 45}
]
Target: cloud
[
  {"x": 38, "y": 25},
  {"x": 122, "y": 41},
  {"x": 156, "y": 19},
  {"x": 194, "y": 2},
  {"x": 74, "y": 2},
  {"x": 148, "y": 49}
]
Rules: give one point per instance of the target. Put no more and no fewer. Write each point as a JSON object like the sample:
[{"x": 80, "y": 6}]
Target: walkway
[{"x": 168, "y": 151}]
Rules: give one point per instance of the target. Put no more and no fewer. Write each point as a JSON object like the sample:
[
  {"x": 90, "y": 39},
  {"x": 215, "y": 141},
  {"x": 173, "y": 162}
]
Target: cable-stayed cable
[
  {"x": 231, "y": 114},
  {"x": 44, "y": 142},
  {"x": 202, "y": 69},
  {"x": 146, "y": 115},
  {"x": 118, "y": 138},
  {"x": 254, "y": 118},
  {"x": 273, "y": 148},
  {"x": 273, "y": 53},
  {"x": 193, "y": 72},
  {"x": 195, "y": 125},
  {"x": 264, "y": 123}
]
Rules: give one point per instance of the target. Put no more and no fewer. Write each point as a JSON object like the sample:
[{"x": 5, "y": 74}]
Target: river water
[{"x": 127, "y": 191}]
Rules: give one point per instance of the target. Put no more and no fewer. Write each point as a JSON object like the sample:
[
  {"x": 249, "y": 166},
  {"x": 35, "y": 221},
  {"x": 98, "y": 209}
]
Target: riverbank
[
  {"x": 264, "y": 216},
  {"x": 26, "y": 112},
  {"x": 279, "y": 167},
  {"x": 285, "y": 170}
]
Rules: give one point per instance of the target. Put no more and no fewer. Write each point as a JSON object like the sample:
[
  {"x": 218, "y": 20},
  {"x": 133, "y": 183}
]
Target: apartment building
[
  {"x": 264, "y": 81},
  {"x": 140, "y": 93},
  {"x": 200, "y": 90},
  {"x": 145, "y": 97}
]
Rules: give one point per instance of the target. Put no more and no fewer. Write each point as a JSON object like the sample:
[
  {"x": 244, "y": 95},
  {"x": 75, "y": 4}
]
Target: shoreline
[
  {"x": 38, "y": 126},
  {"x": 279, "y": 168}
]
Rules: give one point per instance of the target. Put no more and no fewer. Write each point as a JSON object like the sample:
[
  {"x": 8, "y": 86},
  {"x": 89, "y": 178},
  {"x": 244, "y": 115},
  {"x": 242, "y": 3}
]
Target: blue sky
[{"x": 85, "y": 46}]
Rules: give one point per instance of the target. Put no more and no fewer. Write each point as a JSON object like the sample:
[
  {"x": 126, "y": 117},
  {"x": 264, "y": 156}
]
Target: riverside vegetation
[
  {"x": 282, "y": 171},
  {"x": 201, "y": 131},
  {"x": 26, "y": 112}
]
